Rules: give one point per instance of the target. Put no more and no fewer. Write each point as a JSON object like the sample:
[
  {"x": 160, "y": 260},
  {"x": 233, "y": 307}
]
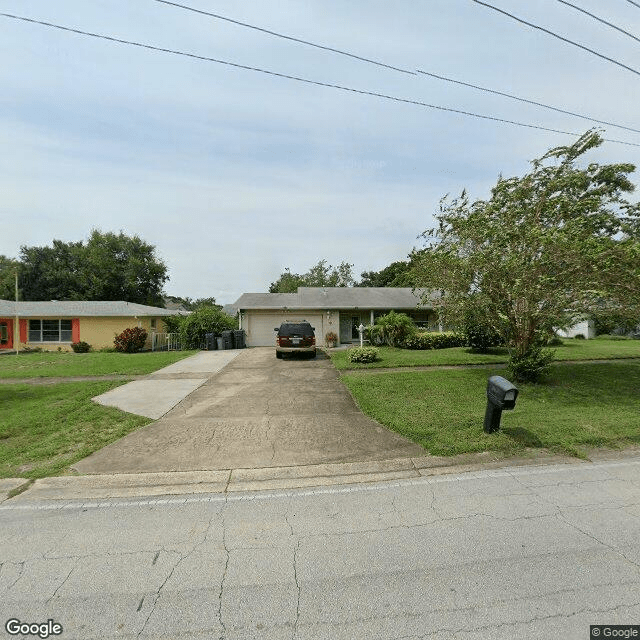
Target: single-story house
[
  {"x": 339, "y": 310},
  {"x": 56, "y": 324}
]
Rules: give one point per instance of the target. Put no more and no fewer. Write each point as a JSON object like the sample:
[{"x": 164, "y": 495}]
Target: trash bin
[
  {"x": 239, "y": 339},
  {"x": 220, "y": 342},
  {"x": 210, "y": 341},
  {"x": 227, "y": 339}
]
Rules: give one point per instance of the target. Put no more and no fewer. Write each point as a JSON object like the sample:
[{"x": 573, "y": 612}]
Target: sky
[{"x": 234, "y": 175}]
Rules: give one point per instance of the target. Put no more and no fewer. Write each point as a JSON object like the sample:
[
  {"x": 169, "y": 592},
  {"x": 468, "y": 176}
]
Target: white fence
[{"x": 165, "y": 342}]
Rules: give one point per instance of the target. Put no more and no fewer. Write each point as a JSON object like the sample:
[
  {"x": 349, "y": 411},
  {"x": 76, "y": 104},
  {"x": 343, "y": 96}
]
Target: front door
[
  {"x": 355, "y": 323},
  {"x": 345, "y": 328},
  {"x": 6, "y": 333}
]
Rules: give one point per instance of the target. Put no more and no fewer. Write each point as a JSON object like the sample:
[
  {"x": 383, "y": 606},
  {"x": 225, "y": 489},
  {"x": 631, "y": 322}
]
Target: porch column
[{"x": 372, "y": 321}]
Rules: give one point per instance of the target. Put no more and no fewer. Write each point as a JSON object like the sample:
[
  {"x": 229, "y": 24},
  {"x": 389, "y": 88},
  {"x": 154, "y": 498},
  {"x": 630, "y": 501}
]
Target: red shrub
[{"x": 131, "y": 340}]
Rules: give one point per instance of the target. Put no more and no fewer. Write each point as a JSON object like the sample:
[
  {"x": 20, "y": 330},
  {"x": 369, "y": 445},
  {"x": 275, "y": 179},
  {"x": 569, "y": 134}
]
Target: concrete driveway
[{"x": 256, "y": 412}]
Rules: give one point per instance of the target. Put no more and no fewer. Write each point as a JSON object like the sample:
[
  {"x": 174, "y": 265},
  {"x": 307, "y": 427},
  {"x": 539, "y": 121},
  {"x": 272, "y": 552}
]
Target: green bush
[
  {"x": 579, "y": 336},
  {"x": 555, "y": 341},
  {"x": 479, "y": 334},
  {"x": 614, "y": 337},
  {"x": 131, "y": 340},
  {"x": 363, "y": 354},
  {"x": 193, "y": 327},
  {"x": 424, "y": 341},
  {"x": 531, "y": 366},
  {"x": 393, "y": 328},
  {"x": 81, "y": 347}
]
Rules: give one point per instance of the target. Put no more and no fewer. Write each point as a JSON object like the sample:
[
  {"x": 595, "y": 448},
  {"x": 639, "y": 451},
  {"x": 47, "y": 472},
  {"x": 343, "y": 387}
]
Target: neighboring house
[
  {"x": 586, "y": 327},
  {"x": 230, "y": 310},
  {"x": 56, "y": 324},
  {"x": 329, "y": 309}
]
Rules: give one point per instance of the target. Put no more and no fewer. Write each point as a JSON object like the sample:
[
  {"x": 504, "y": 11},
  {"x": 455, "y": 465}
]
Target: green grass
[
  {"x": 580, "y": 406},
  {"x": 63, "y": 364},
  {"x": 599, "y": 349},
  {"x": 45, "y": 428}
]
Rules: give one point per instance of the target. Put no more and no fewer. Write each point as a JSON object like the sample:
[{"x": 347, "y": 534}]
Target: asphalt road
[{"x": 530, "y": 552}]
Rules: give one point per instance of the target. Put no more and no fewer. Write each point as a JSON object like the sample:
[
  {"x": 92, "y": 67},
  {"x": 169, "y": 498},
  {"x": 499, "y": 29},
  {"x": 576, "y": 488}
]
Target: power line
[
  {"x": 297, "y": 78},
  {"x": 285, "y": 37},
  {"x": 363, "y": 59},
  {"x": 555, "y": 35},
  {"x": 635, "y": 4},
  {"x": 602, "y": 20},
  {"x": 538, "y": 104}
]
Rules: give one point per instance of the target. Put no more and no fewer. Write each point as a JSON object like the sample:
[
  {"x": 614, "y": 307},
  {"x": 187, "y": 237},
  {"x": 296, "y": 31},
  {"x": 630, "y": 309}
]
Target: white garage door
[{"x": 259, "y": 327}]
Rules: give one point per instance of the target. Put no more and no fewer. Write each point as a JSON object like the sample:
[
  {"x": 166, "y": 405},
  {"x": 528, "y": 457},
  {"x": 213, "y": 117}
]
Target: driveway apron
[{"x": 256, "y": 412}]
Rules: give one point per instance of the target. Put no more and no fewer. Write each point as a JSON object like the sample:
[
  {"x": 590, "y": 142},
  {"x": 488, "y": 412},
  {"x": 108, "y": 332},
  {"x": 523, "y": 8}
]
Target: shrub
[
  {"x": 579, "y": 336},
  {"x": 363, "y": 354},
  {"x": 131, "y": 340},
  {"x": 479, "y": 334},
  {"x": 394, "y": 328},
  {"x": 434, "y": 340},
  {"x": 555, "y": 341},
  {"x": 81, "y": 347},
  {"x": 192, "y": 328},
  {"x": 331, "y": 338},
  {"x": 531, "y": 366}
]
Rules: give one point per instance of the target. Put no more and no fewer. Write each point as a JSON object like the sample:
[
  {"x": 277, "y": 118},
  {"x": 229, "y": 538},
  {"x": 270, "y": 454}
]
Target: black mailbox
[{"x": 501, "y": 394}]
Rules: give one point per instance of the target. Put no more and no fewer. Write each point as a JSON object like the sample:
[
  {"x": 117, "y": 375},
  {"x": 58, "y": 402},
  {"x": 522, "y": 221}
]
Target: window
[
  {"x": 49, "y": 330},
  {"x": 153, "y": 324},
  {"x": 4, "y": 334}
]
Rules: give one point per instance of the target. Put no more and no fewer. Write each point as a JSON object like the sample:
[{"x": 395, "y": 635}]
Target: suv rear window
[{"x": 303, "y": 329}]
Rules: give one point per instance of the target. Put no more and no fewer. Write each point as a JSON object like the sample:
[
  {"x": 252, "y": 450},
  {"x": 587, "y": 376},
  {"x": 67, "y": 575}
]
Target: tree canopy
[
  {"x": 320, "y": 275},
  {"x": 108, "y": 267},
  {"x": 546, "y": 247},
  {"x": 397, "y": 274}
]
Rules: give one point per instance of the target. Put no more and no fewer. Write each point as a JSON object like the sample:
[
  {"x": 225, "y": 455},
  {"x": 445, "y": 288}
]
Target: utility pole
[{"x": 16, "y": 329}]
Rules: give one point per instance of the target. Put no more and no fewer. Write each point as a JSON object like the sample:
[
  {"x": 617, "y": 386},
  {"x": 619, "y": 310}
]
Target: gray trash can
[
  {"x": 210, "y": 341},
  {"x": 220, "y": 342},
  {"x": 227, "y": 339}
]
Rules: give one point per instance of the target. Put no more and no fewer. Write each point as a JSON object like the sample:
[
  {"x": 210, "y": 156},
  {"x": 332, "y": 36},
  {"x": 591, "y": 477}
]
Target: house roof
[
  {"x": 81, "y": 308},
  {"x": 335, "y": 298}
]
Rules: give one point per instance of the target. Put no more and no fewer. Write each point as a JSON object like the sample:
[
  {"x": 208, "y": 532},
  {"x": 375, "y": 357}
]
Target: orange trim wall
[
  {"x": 23, "y": 331},
  {"x": 75, "y": 330}
]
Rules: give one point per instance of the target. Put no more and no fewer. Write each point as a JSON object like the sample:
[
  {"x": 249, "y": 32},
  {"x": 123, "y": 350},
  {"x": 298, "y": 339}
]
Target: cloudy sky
[{"x": 234, "y": 174}]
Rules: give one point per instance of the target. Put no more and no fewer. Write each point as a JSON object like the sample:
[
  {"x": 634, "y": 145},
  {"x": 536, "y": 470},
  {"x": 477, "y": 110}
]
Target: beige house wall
[{"x": 99, "y": 332}]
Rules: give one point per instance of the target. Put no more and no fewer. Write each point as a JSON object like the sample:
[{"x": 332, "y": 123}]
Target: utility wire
[
  {"x": 635, "y": 4},
  {"x": 602, "y": 20},
  {"x": 418, "y": 71},
  {"x": 555, "y": 35},
  {"x": 297, "y": 78},
  {"x": 538, "y": 104},
  {"x": 281, "y": 35}
]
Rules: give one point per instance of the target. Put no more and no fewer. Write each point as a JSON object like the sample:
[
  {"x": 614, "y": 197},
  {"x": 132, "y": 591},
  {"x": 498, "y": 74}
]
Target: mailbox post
[
  {"x": 361, "y": 331},
  {"x": 501, "y": 394}
]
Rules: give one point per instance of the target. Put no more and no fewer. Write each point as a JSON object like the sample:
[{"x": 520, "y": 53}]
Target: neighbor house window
[
  {"x": 153, "y": 324},
  {"x": 49, "y": 330}
]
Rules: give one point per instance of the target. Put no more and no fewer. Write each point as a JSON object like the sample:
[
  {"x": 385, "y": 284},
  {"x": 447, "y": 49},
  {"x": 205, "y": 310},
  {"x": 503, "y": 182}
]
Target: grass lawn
[
  {"x": 53, "y": 364},
  {"x": 598, "y": 349},
  {"x": 580, "y": 406},
  {"x": 45, "y": 428}
]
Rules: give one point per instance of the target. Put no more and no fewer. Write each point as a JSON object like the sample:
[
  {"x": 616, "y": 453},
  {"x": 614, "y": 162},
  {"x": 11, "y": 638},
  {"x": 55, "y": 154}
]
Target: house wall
[
  {"x": 259, "y": 323},
  {"x": 586, "y": 327},
  {"x": 99, "y": 332}
]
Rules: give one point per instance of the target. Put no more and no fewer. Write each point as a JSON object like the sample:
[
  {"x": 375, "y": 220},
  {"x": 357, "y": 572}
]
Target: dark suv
[{"x": 295, "y": 337}]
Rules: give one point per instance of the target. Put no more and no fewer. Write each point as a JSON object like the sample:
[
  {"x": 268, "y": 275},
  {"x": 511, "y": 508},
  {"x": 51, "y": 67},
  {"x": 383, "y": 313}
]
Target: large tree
[
  {"x": 320, "y": 275},
  {"x": 559, "y": 242},
  {"x": 397, "y": 274},
  {"x": 108, "y": 267},
  {"x": 8, "y": 268}
]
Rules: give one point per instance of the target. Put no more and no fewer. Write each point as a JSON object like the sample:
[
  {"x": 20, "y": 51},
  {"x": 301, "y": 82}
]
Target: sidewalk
[{"x": 160, "y": 391}]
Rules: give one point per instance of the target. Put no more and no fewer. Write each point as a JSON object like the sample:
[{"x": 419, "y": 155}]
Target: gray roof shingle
[
  {"x": 81, "y": 308},
  {"x": 335, "y": 298}
]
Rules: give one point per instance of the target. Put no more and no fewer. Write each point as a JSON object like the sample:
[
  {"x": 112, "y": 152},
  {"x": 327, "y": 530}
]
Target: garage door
[{"x": 259, "y": 327}]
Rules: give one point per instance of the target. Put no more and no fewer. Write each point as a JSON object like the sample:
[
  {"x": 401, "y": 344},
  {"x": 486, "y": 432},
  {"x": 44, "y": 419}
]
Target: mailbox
[{"x": 501, "y": 394}]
